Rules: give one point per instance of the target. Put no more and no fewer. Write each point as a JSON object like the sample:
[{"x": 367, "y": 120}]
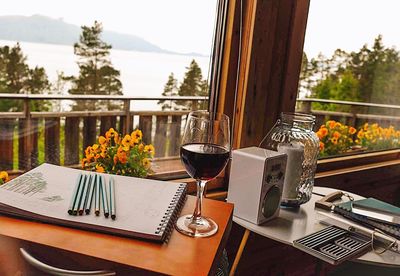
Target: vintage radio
[{"x": 256, "y": 183}]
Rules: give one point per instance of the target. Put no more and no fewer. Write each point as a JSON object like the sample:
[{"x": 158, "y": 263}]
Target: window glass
[
  {"x": 350, "y": 77},
  {"x": 123, "y": 49}
]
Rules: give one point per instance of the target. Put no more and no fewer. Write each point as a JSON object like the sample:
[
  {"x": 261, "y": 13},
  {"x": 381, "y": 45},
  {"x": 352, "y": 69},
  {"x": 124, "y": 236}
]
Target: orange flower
[
  {"x": 99, "y": 168},
  {"x": 352, "y": 130},
  {"x": 331, "y": 124},
  {"x": 102, "y": 140},
  {"x": 321, "y": 146},
  {"x": 336, "y": 135},
  {"x": 360, "y": 134},
  {"x": 3, "y": 177},
  {"x": 122, "y": 157}
]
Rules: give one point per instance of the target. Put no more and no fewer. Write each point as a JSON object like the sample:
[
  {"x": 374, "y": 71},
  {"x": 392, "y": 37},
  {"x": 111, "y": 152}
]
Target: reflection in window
[{"x": 350, "y": 77}]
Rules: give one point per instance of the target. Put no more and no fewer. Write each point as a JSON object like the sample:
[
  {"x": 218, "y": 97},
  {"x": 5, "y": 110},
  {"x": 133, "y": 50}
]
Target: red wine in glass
[{"x": 204, "y": 161}]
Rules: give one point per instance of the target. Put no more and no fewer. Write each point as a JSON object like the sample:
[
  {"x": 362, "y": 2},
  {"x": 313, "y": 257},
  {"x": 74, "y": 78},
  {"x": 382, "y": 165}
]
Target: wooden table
[
  {"x": 182, "y": 255},
  {"x": 293, "y": 224}
]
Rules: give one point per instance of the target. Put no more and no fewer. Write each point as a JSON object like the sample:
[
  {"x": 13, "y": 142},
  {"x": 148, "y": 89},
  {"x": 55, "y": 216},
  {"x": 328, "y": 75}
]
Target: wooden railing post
[
  {"x": 89, "y": 131},
  {"x": 106, "y": 122},
  {"x": 52, "y": 140},
  {"x": 25, "y": 138},
  {"x": 306, "y": 107},
  {"x": 6, "y": 143},
  {"x": 145, "y": 125},
  {"x": 71, "y": 149},
  {"x": 128, "y": 117},
  {"x": 175, "y": 135},
  {"x": 160, "y": 138}
]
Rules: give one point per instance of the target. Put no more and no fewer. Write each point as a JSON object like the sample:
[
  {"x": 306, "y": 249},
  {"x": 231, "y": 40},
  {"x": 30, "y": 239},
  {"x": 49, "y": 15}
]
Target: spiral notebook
[{"x": 144, "y": 208}]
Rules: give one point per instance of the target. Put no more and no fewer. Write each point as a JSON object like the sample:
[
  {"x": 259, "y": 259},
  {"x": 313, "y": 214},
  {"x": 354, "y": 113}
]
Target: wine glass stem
[{"x": 201, "y": 184}]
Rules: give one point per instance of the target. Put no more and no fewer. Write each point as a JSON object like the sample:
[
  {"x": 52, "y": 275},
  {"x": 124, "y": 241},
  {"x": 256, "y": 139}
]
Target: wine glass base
[{"x": 201, "y": 227}]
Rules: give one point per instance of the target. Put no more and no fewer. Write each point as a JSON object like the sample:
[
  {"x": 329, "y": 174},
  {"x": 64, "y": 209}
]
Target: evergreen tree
[
  {"x": 170, "y": 89},
  {"x": 97, "y": 76},
  {"x": 16, "y": 77},
  {"x": 371, "y": 74},
  {"x": 192, "y": 85}
]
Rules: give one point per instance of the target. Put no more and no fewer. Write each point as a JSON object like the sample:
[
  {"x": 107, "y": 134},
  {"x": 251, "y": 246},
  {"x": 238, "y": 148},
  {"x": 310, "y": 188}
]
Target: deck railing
[
  {"x": 28, "y": 137},
  {"x": 60, "y": 137},
  {"x": 357, "y": 114}
]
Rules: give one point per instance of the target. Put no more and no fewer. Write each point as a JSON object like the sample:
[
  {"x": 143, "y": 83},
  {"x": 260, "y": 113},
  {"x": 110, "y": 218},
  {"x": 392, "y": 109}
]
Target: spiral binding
[{"x": 173, "y": 209}]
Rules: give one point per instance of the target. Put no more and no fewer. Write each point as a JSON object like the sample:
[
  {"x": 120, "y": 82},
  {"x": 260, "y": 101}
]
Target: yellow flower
[
  {"x": 146, "y": 163},
  {"x": 109, "y": 133},
  {"x": 150, "y": 149},
  {"x": 137, "y": 135},
  {"x": 337, "y": 124},
  {"x": 95, "y": 147},
  {"x": 140, "y": 147},
  {"x": 99, "y": 168},
  {"x": 3, "y": 177},
  {"x": 102, "y": 140},
  {"x": 360, "y": 134},
  {"x": 117, "y": 139},
  {"x": 334, "y": 140},
  {"x": 127, "y": 141},
  {"x": 365, "y": 126}
]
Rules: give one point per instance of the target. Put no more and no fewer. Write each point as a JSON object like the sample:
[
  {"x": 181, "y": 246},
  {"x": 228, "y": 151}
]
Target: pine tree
[
  {"x": 16, "y": 77},
  {"x": 192, "y": 85},
  {"x": 170, "y": 90},
  {"x": 97, "y": 76}
]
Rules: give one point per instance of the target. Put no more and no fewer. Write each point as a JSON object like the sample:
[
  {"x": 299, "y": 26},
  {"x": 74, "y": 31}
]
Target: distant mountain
[{"x": 42, "y": 29}]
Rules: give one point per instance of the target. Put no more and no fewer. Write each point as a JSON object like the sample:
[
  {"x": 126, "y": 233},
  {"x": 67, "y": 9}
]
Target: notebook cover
[{"x": 377, "y": 205}]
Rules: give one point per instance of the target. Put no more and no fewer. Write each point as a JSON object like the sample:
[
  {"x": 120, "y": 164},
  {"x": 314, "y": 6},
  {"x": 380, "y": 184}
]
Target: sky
[
  {"x": 187, "y": 25},
  {"x": 349, "y": 24},
  {"x": 177, "y": 25}
]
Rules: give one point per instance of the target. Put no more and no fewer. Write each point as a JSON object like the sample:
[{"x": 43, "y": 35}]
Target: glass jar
[{"x": 293, "y": 134}]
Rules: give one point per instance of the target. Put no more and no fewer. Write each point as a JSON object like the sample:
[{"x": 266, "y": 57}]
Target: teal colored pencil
[
  {"x": 82, "y": 195},
  {"x": 74, "y": 193},
  {"x": 78, "y": 196},
  {"x": 112, "y": 198},
  {"x": 97, "y": 196},
  {"x": 88, "y": 204},
  {"x": 104, "y": 197}
]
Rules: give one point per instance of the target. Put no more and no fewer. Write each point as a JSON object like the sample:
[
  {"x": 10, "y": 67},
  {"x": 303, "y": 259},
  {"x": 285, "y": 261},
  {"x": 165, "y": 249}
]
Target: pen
[
  {"x": 104, "y": 197},
  {"x": 112, "y": 197},
  {"x": 82, "y": 195},
  {"x": 74, "y": 193},
  {"x": 78, "y": 196},
  {"x": 97, "y": 195},
  {"x": 88, "y": 204}
]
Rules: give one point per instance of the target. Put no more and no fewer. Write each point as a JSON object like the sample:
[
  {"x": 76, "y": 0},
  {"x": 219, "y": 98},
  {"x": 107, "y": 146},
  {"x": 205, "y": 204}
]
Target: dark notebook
[{"x": 346, "y": 210}]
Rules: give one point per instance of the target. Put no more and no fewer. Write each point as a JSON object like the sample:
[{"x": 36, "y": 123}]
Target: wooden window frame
[{"x": 270, "y": 52}]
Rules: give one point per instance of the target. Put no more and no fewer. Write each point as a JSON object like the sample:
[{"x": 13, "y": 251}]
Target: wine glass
[{"x": 205, "y": 151}]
